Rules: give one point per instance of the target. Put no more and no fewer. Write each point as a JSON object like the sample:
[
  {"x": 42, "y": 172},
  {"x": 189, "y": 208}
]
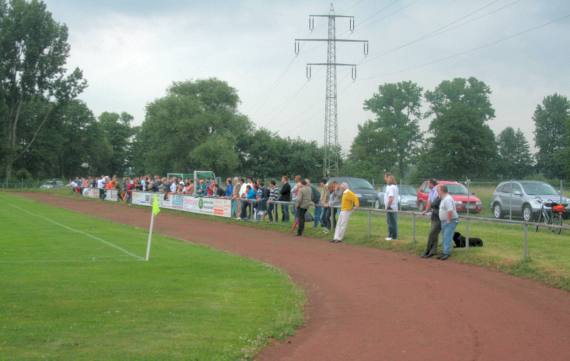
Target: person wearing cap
[{"x": 348, "y": 204}]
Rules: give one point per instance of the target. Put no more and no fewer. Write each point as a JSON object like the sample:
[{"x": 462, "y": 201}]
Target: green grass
[
  {"x": 68, "y": 296},
  {"x": 549, "y": 260}
]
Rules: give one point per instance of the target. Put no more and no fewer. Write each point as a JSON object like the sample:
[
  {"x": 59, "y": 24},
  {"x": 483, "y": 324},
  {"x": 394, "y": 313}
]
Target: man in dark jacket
[
  {"x": 435, "y": 229},
  {"x": 285, "y": 196}
]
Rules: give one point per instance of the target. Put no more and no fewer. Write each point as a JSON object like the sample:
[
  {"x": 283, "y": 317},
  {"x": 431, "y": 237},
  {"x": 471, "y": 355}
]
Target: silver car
[
  {"x": 407, "y": 199},
  {"x": 523, "y": 199}
]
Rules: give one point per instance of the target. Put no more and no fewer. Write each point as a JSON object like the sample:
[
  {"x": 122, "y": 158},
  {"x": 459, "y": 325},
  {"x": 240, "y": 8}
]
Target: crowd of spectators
[
  {"x": 331, "y": 203},
  {"x": 300, "y": 199}
]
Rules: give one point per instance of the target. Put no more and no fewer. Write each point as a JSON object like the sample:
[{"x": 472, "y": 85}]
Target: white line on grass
[{"x": 79, "y": 231}]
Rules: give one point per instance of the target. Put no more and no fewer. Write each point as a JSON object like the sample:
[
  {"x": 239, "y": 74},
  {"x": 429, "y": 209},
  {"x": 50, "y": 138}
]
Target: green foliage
[
  {"x": 369, "y": 153},
  {"x": 515, "y": 160},
  {"x": 461, "y": 142},
  {"x": 118, "y": 132},
  {"x": 33, "y": 55},
  {"x": 392, "y": 139},
  {"x": 552, "y": 136},
  {"x": 192, "y": 113}
]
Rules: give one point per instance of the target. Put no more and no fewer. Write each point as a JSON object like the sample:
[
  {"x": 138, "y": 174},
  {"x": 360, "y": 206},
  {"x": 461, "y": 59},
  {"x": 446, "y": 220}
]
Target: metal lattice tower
[{"x": 331, "y": 145}]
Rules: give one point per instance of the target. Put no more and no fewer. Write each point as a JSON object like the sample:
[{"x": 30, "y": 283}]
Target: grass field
[
  {"x": 549, "y": 253},
  {"x": 549, "y": 260},
  {"x": 75, "y": 288}
]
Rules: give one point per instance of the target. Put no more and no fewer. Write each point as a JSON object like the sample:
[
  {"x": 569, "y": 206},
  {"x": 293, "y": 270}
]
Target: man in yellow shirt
[{"x": 348, "y": 204}]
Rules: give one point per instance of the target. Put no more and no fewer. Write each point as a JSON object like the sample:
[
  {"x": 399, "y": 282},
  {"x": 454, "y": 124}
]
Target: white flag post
[{"x": 155, "y": 211}]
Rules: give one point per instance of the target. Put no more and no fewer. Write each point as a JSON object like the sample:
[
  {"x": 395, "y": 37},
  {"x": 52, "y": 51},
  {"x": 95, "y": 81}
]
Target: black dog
[{"x": 459, "y": 241}]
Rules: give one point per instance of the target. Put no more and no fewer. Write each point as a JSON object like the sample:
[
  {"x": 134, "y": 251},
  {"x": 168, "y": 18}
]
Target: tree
[
  {"x": 551, "y": 135},
  {"x": 461, "y": 142},
  {"x": 196, "y": 125},
  {"x": 33, "y": 54},
  {"x": 515, "y": 160},
  {"x": 118, "y": 132},
  {"x": 73, "y": 138},
  {"x": 395, "y": 132},
  {"x": 369, "y": 154}
]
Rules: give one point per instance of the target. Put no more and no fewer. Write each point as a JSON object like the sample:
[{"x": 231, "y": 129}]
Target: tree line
[
  {"x": 459, "y": 142},
  {"x": 45, "y": 131}
]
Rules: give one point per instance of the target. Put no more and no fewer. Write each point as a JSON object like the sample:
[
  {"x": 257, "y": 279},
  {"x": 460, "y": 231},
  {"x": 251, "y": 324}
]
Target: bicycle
[{"x": 551, "y": 213}]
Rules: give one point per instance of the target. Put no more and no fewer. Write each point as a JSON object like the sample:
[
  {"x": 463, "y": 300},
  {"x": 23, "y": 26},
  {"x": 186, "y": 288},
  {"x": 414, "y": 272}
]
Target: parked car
[
  {"x": 407, "y": 200},
  {"x": 463, "y": 200},
  {"x": 523, "y": 198},
  {"x": 52, "y": 183},
  {"x": 364, "y": 191}
]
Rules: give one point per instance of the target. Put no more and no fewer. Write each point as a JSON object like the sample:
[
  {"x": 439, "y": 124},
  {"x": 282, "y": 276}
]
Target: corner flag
[
  {"x": 155, "y": 207},
  {"x": 155, "y": 211}
]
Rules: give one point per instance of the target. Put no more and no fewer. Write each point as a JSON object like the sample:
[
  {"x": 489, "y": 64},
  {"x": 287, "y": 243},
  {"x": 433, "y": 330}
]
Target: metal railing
[
  {"x": 467, "y": 219},
  {"x": 414, "y": 215}
]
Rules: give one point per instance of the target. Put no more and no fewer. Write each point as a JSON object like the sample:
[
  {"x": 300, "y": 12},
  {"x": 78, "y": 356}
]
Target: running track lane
[{"x": 370, "y": 304}]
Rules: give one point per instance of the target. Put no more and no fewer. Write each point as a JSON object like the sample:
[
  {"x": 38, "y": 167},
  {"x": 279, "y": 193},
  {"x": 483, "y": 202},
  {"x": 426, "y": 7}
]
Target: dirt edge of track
[{"x": 371, "y": 304}]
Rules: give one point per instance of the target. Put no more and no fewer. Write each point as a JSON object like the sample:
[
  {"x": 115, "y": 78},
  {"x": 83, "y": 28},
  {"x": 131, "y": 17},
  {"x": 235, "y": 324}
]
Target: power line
[
  {"x": 447, "y": 27},
  {"x": 498, "y": 41},
  {"x": 378, "y": 12},
  {"x": 268, "y": 93},
  {"x": 284, "y": 104}
]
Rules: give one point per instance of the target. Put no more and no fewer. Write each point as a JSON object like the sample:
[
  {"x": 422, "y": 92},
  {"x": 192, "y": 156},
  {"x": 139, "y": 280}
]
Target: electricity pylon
[{"x": 331, "y": 145}]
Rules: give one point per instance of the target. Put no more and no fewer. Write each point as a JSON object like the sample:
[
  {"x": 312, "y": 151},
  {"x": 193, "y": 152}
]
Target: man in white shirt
[
  {"x": 391, "y": 198},
  {"x": 449, "y": 218},
  {"x": 101, "y": 187}
]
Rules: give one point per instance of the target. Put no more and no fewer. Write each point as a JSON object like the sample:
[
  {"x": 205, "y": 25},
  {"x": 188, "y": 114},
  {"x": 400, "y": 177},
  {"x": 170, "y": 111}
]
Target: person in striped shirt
[{"x": 273, "y": 197}]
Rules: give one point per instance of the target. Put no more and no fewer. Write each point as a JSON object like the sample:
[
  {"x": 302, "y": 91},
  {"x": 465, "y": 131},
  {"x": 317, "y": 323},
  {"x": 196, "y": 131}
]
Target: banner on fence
[
  {"x": 210, "y": 206},
  {"x": 91, "y": 192},
  {"x": 112, "y": 195}
]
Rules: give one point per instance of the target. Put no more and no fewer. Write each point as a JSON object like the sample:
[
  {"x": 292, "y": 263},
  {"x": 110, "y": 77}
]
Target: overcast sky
[{"x": 132, "y": 50}]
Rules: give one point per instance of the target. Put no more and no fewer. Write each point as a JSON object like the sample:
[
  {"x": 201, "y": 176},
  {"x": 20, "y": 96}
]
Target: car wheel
[
  {"x": 527, "y": 213},
  {"x": 497, "y": 211}
]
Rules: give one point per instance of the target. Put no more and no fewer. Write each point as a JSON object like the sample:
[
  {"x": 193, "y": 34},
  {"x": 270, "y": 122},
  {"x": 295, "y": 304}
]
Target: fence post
[
  {"x": 369, "y": 225},
  {"x": 333, "y": 217},
  {"x": 468, "y": 231},
  {"x": 414, "y": 227},
  {"x": 468, "y": 181},
  {"x": 525, "y": 242}
]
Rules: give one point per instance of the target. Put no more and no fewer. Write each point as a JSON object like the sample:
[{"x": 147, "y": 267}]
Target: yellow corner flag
[{"x": 155, "y": 207}]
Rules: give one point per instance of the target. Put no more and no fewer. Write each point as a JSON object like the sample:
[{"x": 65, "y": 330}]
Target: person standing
[
  {"x": 324, "y": 203},
  {"x": 285, "y": 196},
  {"x": 433, "y": 207},
  {"x": 316, "y": 199},
  {"x": 335, "y": 201},
  {"x": 449, "y": 219},
  {"x": 101, "y": 187},
  {"x": 303, "y": 204},
  {"x": 236, "y": 198},
  {"x": 349, "y": 202},
  {"x": 391, "y": 198},
  {"x": 273, "y": 197},
  {"x": 229, "y": 188}
]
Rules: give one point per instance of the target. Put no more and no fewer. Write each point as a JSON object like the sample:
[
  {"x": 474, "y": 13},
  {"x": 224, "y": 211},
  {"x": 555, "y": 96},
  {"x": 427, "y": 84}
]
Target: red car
[{"x": 459, "y": 194}]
